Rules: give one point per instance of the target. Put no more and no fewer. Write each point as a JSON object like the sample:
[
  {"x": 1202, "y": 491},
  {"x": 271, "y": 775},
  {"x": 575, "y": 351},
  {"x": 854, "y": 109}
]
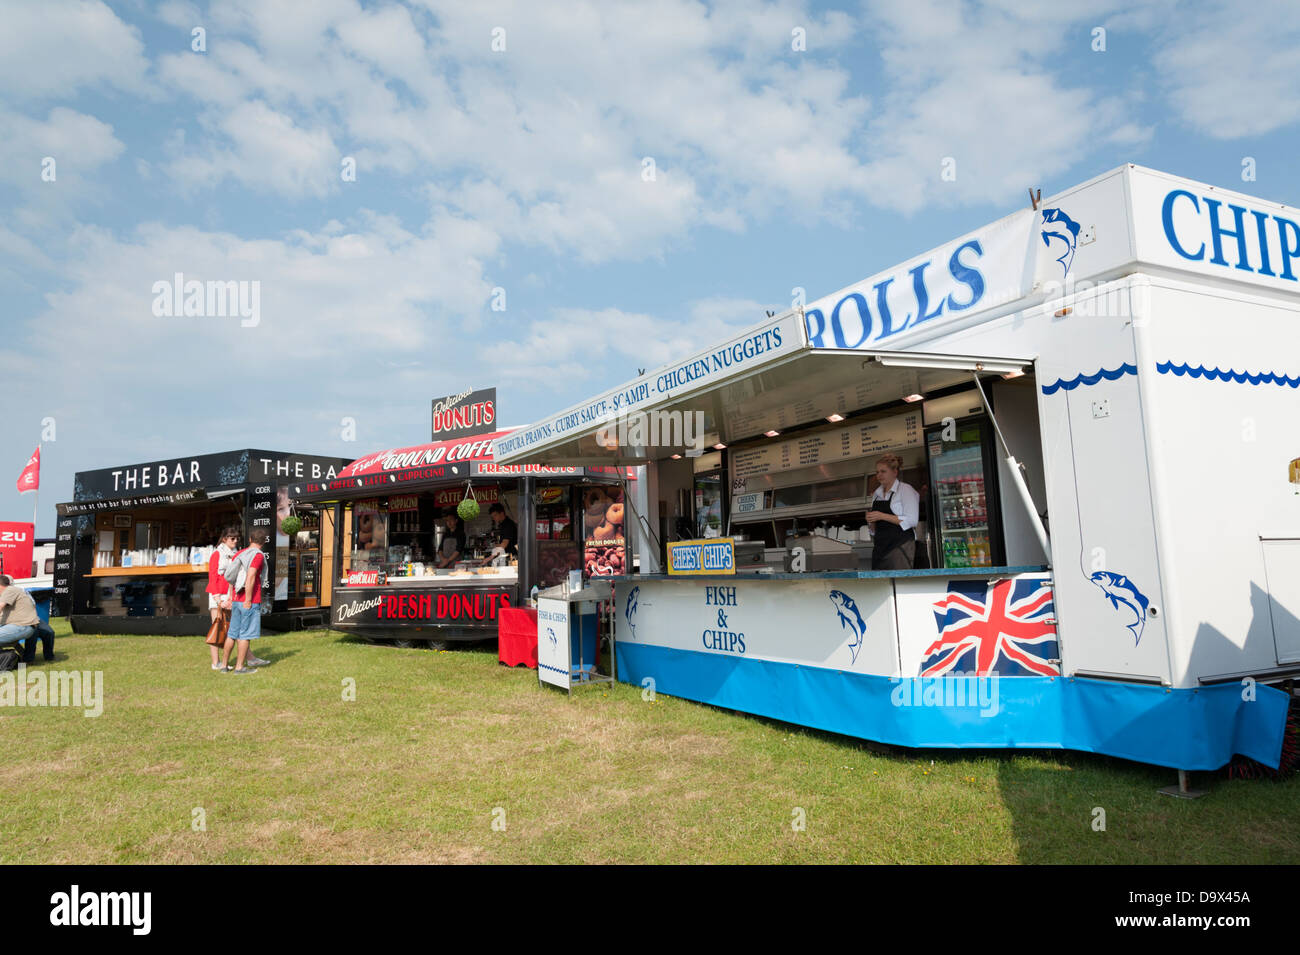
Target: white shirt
[{"x": 906, "y": 503}]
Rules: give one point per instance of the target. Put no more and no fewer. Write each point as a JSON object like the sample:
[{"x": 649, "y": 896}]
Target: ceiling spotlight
[
  {"x": 913, "y": 397},
  {"x": 771, "y": 434},
  {"x": 719, "y": 446},
  {"x": 677, "y": 457},
  {"x": 835, "y": 417},
  {"x": 1013, "y": 374}
]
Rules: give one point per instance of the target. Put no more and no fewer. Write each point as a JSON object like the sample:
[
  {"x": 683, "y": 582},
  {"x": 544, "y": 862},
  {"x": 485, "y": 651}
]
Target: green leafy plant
[
  {"x": 468, "y": 509},
  {"x": 291, "y": 525}
]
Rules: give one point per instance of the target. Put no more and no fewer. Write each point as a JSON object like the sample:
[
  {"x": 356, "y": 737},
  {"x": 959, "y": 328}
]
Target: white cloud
[
  {"x": 333, "y": 308},
  {"x": 1230, "y": 72},
  {"x": 77, "y": 142},
  {"x": 599, "y": 348},
  {"x": 78, "y": 145},
  {"x": 981, "y": 85},
  {"x": 180, "y": 14},
  {"x": 542, "y": 147},
  {"x": 266, "y": 152},
  {"x": 58, "y": 47},
  {"x": 20, "y": 260}
]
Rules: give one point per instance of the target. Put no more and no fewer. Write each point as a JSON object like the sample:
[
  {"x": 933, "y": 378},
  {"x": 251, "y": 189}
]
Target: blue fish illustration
[
  {"x": 1119, "y": 590},
  {"x": 550, "y": 633},
  {"x": 1066, "y": 231},
  {"x": 851, "y": 618},
  {"x": 629, "y": 609}
]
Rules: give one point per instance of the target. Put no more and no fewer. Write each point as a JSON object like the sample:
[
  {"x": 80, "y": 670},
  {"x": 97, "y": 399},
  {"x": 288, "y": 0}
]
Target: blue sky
[{"x": 523, "y": 169}]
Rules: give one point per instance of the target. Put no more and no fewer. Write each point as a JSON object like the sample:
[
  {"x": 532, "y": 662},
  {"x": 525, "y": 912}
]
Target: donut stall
[{"x": 436, "y": 539}]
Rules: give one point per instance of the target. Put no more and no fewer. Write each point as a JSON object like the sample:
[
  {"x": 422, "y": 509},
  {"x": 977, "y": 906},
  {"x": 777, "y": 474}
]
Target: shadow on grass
[
  {"x": 472, "y": 647},
  {"x": 275, "y": 655},
  {"x": 40, "y": 661}
]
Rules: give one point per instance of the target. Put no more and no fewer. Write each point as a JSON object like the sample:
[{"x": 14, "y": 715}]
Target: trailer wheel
[
  {"x": 403, "y": 644},
  {"x": 437, "y": 644}
]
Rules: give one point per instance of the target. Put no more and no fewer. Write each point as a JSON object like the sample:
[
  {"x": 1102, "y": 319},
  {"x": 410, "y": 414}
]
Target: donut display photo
[{"x": 604, "y": 553}]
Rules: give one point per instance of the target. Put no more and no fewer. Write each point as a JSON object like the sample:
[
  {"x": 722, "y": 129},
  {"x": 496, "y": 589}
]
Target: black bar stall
[{"x": 133, "y": 544}]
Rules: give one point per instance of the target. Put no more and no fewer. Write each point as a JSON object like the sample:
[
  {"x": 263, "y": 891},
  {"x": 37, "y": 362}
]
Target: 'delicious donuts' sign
[{"x": 465, "y": 414}]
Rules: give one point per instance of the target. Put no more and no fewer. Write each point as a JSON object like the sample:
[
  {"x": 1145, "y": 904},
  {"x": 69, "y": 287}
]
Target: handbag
[{"x": 219, "y": 628}]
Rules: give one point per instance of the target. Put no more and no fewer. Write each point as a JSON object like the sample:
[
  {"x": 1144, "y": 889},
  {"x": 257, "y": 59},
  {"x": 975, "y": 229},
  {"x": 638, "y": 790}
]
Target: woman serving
[{"x": 895, "y": 508}]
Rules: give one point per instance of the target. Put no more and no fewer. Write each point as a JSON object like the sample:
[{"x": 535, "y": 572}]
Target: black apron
[{"x": 886, "y": 536}]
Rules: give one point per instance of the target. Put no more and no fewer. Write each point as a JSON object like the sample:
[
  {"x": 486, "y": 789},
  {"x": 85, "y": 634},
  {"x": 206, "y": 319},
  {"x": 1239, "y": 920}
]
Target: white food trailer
[{"x": 1100, "y": 400}]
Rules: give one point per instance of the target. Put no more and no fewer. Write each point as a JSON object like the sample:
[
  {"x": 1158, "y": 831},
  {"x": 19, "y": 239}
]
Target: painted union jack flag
[{"x": 1007, "y": 627}]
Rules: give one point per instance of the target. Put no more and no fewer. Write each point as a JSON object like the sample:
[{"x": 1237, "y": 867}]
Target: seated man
[{"x": 18, "y": 618}]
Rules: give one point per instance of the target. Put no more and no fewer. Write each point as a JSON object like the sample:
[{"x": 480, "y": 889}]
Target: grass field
[{"x": 438, "y": 745}]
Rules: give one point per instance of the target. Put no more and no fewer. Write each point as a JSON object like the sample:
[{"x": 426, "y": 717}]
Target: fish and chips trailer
[{"x": 1132, "y": 347}]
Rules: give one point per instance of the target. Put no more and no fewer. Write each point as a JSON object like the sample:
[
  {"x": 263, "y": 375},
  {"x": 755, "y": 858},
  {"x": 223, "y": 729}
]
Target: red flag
[{"x": 30, "y": 479}]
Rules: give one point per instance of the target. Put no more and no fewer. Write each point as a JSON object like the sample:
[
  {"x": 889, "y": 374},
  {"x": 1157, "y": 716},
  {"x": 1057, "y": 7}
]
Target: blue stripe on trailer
[
  {"x": 1240, "y": 377},
  {"x": 1190, "y": 729},
  {"x": 1082, "y": 379}
]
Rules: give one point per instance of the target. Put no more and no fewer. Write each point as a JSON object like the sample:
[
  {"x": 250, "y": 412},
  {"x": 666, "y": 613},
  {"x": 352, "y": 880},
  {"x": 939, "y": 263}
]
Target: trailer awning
[
  {"x": 397, "y": 469},
  {"x": 421, "y": 466},
  {"x": 799, "y": 388}
]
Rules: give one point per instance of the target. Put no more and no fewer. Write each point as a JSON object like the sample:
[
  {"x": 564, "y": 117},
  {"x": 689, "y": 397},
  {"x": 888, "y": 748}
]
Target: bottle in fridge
[{"x": 963, "y": 475}]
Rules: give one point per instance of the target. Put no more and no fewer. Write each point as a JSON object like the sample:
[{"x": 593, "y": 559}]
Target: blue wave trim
[
  {"x": 1081, "y": 379},
  {"x": 1241, "y": 377},
  {"x": 1192, "y": 729}
]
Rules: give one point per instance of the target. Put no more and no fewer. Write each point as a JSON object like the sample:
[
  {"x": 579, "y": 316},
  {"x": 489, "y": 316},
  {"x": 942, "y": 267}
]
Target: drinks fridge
[{"x": 964, "y": 495}]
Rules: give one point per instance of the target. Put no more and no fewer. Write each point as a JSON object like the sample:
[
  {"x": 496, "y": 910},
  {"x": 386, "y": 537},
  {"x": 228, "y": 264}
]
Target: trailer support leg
[{"x": 1184, "y": 789}]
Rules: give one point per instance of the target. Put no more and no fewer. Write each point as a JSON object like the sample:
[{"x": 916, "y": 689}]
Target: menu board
[
  {"x": 63, "y": 565},
  {"x": 259, "y": 513},
  {"x": 855, "y": 440},
  {"x": 452, "y": 496},
  {"x": 791, "y": 406}
]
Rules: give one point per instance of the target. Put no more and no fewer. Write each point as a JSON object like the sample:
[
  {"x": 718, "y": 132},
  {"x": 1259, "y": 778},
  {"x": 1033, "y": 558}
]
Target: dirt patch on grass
[
  {"x": 17, "y": 771},
  {"x": 172, "y": 767}
]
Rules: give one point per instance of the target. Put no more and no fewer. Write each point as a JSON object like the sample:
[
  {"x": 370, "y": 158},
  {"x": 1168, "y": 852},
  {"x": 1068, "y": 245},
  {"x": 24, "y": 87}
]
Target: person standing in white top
[{"x": 894, "y": 511}]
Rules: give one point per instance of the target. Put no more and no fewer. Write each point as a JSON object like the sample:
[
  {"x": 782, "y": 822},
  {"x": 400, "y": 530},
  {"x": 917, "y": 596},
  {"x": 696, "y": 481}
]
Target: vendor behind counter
[
  {"x": 505, "y": 533},
  {"x": 892, "y": 516}
]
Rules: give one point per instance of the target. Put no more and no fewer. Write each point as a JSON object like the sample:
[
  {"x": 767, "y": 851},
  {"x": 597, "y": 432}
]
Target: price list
[
  {"x": 65, "y": 531},
  {"x": 791, "y": 408},
  {"x": 845, "y": 443}
]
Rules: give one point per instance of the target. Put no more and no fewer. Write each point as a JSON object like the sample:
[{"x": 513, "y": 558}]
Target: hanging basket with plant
[
  {"x": 468, "y": 509},
  {"x": 291, "y": 525}
]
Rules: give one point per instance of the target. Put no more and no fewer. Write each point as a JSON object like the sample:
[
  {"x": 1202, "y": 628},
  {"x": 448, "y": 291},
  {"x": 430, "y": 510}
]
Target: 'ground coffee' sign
[{"x": 465, "y": 414}]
